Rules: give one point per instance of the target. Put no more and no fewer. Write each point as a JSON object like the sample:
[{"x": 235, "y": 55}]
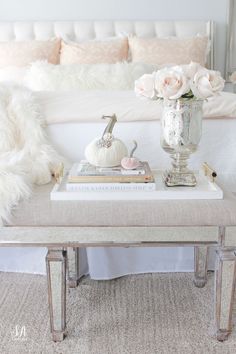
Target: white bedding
[{"x": 90, "y": 106}]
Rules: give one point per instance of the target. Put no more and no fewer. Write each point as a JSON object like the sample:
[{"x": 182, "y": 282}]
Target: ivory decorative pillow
[
  {"x": 19, "y": 54},
  {"x": 94, "y": 52},
  {"x": 159, "y": 51}
]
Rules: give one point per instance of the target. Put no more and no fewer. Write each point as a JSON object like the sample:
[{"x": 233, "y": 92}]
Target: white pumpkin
[{"x": 106, "y": 151}]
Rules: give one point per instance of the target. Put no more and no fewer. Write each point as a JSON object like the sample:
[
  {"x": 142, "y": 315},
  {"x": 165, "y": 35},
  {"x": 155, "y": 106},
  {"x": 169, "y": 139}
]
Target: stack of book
[{"x": 85, "y": 177}]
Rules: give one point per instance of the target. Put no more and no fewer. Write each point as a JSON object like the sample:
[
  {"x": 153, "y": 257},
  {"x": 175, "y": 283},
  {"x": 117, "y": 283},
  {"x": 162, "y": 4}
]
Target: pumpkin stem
[
  {"x": 134, "y": 148},
  {"x": 110, "y": 125}
]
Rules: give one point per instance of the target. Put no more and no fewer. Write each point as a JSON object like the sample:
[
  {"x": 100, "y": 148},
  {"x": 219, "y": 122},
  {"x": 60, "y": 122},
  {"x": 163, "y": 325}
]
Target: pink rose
[
  {"x": 145, "y": 86},
  {"x": 171, "y": 83},
  {"x": 206, "y": 83}
]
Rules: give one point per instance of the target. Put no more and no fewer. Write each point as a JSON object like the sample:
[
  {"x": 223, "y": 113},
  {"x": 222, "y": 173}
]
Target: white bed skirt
[{"x": 218, "y": 148}]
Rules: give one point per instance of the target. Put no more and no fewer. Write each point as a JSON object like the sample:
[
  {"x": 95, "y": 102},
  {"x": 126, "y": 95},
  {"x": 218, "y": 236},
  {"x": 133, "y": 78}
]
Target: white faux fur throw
[{"x": 26, "y": 157}]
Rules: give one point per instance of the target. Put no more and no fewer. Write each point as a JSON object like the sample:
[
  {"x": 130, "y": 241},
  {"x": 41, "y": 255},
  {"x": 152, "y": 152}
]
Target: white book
[{"x": 101, "y": 187}]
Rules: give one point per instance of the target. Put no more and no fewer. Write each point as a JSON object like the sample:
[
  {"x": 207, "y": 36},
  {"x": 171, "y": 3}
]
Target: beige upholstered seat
[{"x": 39, "y": 210}]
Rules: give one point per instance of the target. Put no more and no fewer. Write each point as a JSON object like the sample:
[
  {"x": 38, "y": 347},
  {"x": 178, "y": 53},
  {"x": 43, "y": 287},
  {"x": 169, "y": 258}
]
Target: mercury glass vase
[{"x": 181, "y": 133}]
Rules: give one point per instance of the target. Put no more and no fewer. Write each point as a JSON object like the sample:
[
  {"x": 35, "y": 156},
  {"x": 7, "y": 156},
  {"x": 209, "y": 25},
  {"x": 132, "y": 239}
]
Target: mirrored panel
[{"x": 231, "y": 40}]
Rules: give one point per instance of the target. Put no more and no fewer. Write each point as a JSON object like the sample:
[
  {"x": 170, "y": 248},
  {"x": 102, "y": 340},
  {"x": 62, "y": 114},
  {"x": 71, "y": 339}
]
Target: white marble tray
[{"x": 205, "y": 189}]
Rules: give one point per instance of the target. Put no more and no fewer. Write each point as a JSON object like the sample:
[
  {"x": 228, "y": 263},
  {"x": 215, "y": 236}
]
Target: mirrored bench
[{"x": 64, "y": 226}]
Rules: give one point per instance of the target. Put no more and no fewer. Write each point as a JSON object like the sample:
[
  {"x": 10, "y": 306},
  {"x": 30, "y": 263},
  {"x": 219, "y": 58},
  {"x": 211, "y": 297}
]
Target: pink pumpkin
[{"x": 130, "y": 162}]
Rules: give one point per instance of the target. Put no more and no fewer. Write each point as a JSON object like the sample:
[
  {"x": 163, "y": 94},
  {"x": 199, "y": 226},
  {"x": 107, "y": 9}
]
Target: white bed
[{"x": 70, "y": 132}]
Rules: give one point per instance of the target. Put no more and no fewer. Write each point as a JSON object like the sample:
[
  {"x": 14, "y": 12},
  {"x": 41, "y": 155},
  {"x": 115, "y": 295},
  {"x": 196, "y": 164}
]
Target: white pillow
[
  {"x": 43, "y": 76},
  {"x": 13, "y": 74}
]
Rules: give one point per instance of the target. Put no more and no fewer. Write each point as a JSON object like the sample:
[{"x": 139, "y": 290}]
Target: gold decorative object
[
  {"x": 209, "y": 172},
  {"x": 59, "y": 173}
]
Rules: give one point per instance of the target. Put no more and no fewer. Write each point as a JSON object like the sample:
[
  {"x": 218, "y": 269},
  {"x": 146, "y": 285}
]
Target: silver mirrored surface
[{"x": 181, "y": 134}]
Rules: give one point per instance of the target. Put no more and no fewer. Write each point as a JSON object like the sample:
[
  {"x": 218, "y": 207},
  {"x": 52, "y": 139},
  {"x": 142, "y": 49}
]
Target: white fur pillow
[{"x": 43, "y": 76}]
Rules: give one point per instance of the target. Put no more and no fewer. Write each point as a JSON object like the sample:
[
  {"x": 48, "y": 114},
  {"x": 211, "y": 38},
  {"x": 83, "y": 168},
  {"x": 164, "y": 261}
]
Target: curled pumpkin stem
[{"x": 134, "y": 148}]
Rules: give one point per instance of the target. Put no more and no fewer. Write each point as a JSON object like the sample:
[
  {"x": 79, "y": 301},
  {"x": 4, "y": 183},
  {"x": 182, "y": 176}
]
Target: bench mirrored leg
[
  {"x": 73, "y": 266},
  {"x": 224, "y": 293},
  {"x": 56, "y": 277},
  {"x": 200, "y": 265}
]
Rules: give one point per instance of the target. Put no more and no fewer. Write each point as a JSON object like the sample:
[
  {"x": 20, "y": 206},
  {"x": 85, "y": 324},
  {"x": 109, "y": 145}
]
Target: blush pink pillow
[
  {"x": 94, "y": 52},
  {"x": 160, "y": 51},
  {"x": 23, "y": 53}
]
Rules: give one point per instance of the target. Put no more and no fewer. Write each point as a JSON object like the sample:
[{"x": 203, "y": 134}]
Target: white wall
[
  {"x": 12, "y": 10},
  {"x": 111, "y": 9}
]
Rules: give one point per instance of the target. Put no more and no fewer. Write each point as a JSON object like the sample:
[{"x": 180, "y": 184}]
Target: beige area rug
[{"x": 143, "y": 314}]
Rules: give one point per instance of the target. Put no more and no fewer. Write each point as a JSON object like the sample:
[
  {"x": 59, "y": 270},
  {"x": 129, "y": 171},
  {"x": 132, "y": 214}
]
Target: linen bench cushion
[{"x": 39, "y": 210}]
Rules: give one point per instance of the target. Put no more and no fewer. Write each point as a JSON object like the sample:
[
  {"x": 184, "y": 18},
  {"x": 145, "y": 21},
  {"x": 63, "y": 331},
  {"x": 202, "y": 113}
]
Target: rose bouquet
[
  {"x": 180, "y": 82},
  {"x": 183, "y": 89}
]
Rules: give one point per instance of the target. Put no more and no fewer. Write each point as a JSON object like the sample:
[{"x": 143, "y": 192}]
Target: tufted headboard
[{"x": 80, "y": 30}]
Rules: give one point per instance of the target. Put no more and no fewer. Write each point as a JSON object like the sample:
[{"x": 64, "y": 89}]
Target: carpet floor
[{"x": 143, "y": 314}]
